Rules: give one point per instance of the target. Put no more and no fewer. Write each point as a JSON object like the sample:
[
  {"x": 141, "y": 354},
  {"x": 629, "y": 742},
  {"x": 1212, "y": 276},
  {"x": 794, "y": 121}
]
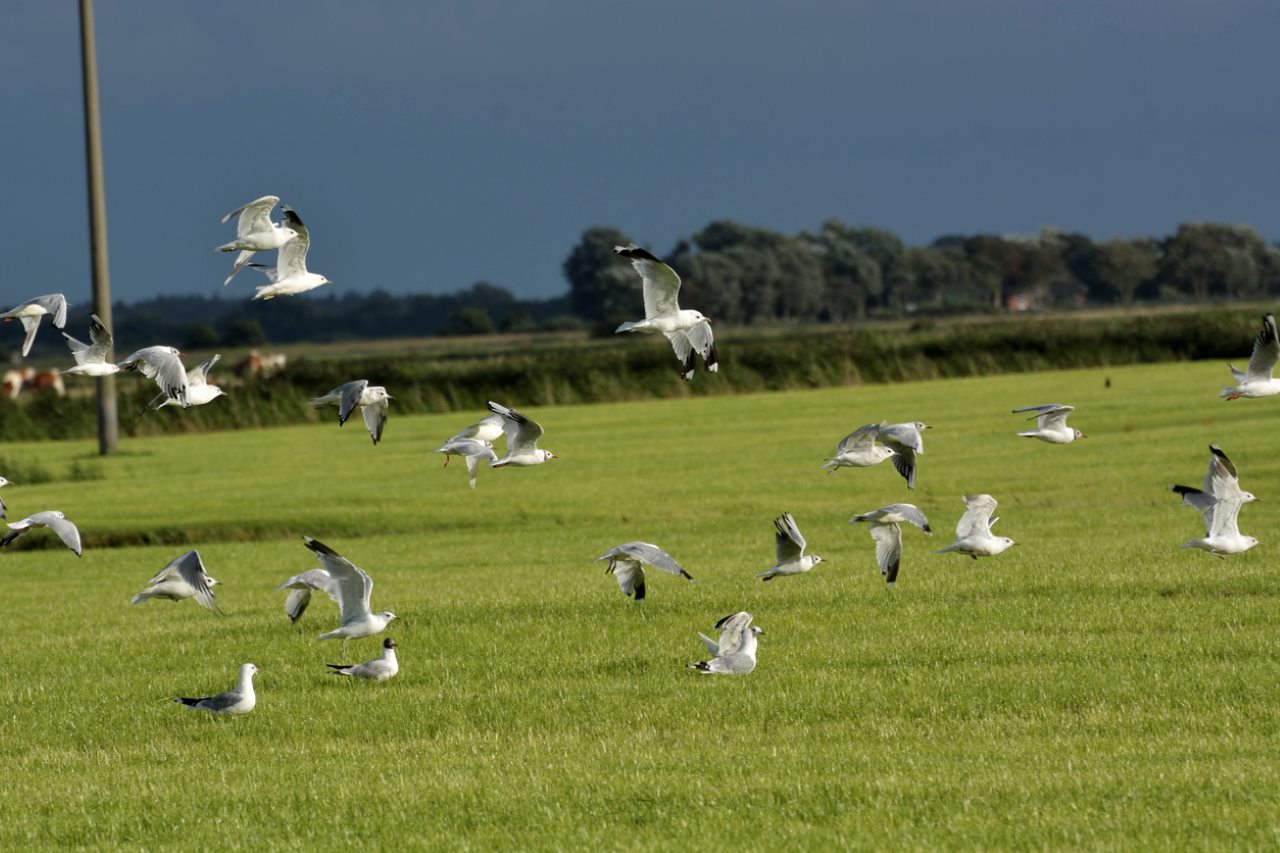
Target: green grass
[{"x": 1094, "y": 687}]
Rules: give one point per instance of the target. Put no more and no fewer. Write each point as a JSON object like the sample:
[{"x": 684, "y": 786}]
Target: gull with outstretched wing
[
  {"x": 627, "y": 562},
  {"x": 688, "y": 331}
]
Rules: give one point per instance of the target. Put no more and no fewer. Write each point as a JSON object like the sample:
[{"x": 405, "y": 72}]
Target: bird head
[
  {"x": 1080, "y": 434},
  {"x": 548, "y": 455},
  {"x": 1245, "y": 497},
  {"x": 388, "y": 643},
  {"x": 388, "y": 615},
  {"x": 756, "y": 630}
]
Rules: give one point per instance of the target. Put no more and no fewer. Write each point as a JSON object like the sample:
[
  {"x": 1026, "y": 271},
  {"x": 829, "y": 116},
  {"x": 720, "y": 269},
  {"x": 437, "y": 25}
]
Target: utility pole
[{"x": 108, "y": 422}]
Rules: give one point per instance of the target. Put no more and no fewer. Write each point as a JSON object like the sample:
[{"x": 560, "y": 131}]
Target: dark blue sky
[{"x": 431, "y": 145}]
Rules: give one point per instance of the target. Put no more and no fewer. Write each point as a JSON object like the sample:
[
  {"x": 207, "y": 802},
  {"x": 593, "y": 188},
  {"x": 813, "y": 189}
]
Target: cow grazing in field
[{"x": 257, "y": 364}]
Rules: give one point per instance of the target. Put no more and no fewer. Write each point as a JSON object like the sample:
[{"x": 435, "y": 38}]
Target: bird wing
[
  {"x": 162, "y": 365},
  {"x": 375, "y": 417},
  {"x": 191, "y": 569},
  {"x": 56, "y": 306},
  {"x": 790, "y": 542},
  {"x": 629, "y": 574},
  {"x": 100, "y": 338},
  {"x": 199, "y": 375},
  {"x": 712, "y": 646},
  {"x": 902, "y": 438},
  {"x": 79, "y": 349},
  {"x": 1266, "y": 351},
  {"x": 911, "y": 514},
  {"x": 733, "y": 631},
  {"x": 255, "y": 216},
  {"x": 220, "y": 702},
  {"x": 863, "y": 436},
  {"x": 704, "y": 344},
  {"x": 661, "y": 284},
  {"x": 67, "y": 532},
  {"x": 683, "y": 346},
  {"x": 976, "y": 520},
  {"x": 650, "y": 555},
  {"x": 1221, "y": 479},
  {"x": 1048, "y": 416},
  {"x": 348, "y": 398},
  {"x": 292, "y": 257},
  {"x": 486, "y": 429},
  {"x": 888, "y": 538},
  {"x": 1221, "y": 519},
  {"x": 521, "y": 433},
  {"x": 352, "y": 584}
]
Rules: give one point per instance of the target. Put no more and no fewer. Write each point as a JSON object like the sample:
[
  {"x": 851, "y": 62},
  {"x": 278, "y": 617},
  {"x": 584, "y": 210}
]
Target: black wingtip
[{"x": 635, "y": 252}]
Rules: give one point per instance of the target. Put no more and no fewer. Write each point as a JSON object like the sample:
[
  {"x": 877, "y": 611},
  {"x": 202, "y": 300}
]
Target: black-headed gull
[
  {"x": 789, "y": 544},
  {"x": 1256, "y": 379},
  {"x": 473, "y": 450},
  {"x": 30, "y": 312},
  {"x": 973, "y": 531},
  {"x": 184, "y": 577},
  {"x": 1051, "y": 423},
  {"x": 907, "y": 443},
  {"x": 240, "y": 700},
  {"x": 884, "y": 525},
  {"x": 91, "y": 358},
  {"x": 164, "y": 365},
  {"x": 379, "y": 669},
  {"x": 522, "y": 439},
  {"x": 373, "y": 400},
  {"x": 344, "y": 582},
  {"x": 688, "y": 331},
  {"x": 627, "y": 562},
  {"x": 255, "y": 232},
  {"x": 735, "y": 653},
  {"x": 289, "y": 276},
  {"x": 52, "y": 519},
  {"x": 859, "y": 449},
  {"x": 199, "y": 391}
]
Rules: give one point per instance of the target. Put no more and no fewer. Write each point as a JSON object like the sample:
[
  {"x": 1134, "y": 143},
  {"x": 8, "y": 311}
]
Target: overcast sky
[{"x": 430, "y": 145}]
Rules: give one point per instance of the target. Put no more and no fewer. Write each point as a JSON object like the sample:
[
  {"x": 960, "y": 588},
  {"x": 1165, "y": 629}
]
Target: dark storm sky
[{"x": 429, "y": 145}]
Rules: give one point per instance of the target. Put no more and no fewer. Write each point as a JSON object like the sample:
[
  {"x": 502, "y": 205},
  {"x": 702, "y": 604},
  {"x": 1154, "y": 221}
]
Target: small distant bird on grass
[
  {"x": 735, "y": 653},
  {"x": 973, "y": 531},
  {"x": 789, "y": 544},
  {"x": 379, "y": 669},
  {"x": 884, "y": 525},
  {"x": 241, "y": 700},
  {"x": 627, "y": 562},
  {"x": 52, "y": 519},
  {"x": 1051, "y": 423}
]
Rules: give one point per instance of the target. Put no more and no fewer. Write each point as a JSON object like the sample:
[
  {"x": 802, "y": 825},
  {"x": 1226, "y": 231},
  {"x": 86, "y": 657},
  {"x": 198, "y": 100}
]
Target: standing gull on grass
[
  {"x": 3, "y": 508},
  {"x": 1256, "y": 379},
  {"x": 379, "y": 669},
  {"x": 373, "y": 400},
  {"x": 52, "y": 519},
  {"x": 289, "y": 276},
  {"x": 199, "y": 391},
  {"x": 30, "y": 312},
  {"x": 255, "y": 232},
  {"x": 164, "y": 365},
  {"x": 790, "y": 545},
  {"x": 344, "y": 582},
  {"x": 859, "y": 449},
  {"x": 884, "y": 525},
  {"x": 91, "y": 358},
  {"x": 907, "y": 443},
  {"x": 688, "y": 331},
  {"x": 735, "y": 653},
  {"x": 184, "y": 577},
  {"x": 627, "y": 562},
  {"x": 1051, "y": 423},
  {"x": 522, "y": 439},
  {"x": 973, "y": 531},
  {"x": 241, "y": 700},
  {"x": 473, "y": 450}
]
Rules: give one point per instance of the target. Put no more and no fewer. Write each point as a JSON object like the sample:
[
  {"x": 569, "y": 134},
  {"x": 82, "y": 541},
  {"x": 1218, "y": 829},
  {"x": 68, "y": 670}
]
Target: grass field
[{"x": 1094, "y": 687}]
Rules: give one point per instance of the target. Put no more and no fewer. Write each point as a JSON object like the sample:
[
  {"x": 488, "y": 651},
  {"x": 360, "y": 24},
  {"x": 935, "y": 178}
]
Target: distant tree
[
  {"x": 201, "y": 336},
  {"x": 852, "y": 277},
  {"x": 603, "y": 287},
  {"x": 1122, "y": 266},
  {"x": 470, "y": 320},
  {"x": 244, "y": 332},
  {"x": 518, "y": 321},
  {"x": 1207, "y": 259}
]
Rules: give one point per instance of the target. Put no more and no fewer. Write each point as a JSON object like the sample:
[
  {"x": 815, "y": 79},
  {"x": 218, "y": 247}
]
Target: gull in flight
[
  {"x": 289, "y": 276},
  {"x": 487, "y": 429},
  {"x": 199, "y": 391},
  {"x": 238, "y": 701},
  {"x": 790, "y": 550},
  {"x": 373, "y": 400},
  {"x": 472, "y": 449},
  {"x": 3, "y": 508},
  {"x": 344, "y": 582},
  {"x": 1051, "y": 423},
  {"x": 522, "y": 439},
  {"x": 52, "y": 519},
  {"x": 1256, "y": 379},
  {"x": 164, "y": 365},
  {"x": 688, "y": 331},
  {"x": 735, "y": 653},
  {"x": 184, "y": 577},
  {"x": 973, "y": 531},
  {"x": 255, "y": 232},
  {"x": 859, "y": 449},
  {"x": 379, "y": 669},
  {"x": 91, "y": 358},
  {"x": 906, "y": 443},
  {"x": 30, "y": 312},
  {"x": 1219, "y": 501},
  {"x": 884, "y": 524},
  {"x": 627, "y": 562},
  {"x": 1222, "y": 532}
]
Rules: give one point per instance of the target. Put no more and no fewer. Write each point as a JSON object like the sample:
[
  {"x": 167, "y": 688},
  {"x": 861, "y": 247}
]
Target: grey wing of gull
[
  {"x": 790, "y": 543},
  {"x": 296, "y": 602},
  {"x": 79, "y": 349},
  {"x": 703, "y": 340},
  {"x": 1195, "y": 498},
  {"x": 630, "y": 576},
  {"x": 486, "y": 425},
  {"x": 259, "y": 206},
  {"x": 521, "y": 433},
  {"x": 650, "y": 555},
  {"x": 375, "y": 418},
  {"x": 904, "y": 460},
  {"x": 350, "y": 397},
  {"x": 733, "y": 630},
  {"x": 1266, "y": 350},
  {"x": 3, "y": 508},
  {"x": 191, "y": 569},
  {"x": 902, "y": 438},
  {"x": 863, "y": 436},
  {"x": 976, "y": 520},
  {"x": 352, "y": 585},
  {"x": 220, "y": 702},
  {"x": 684, "y": 351},
  {"x": 56, "y": 305},
  {"x": 67, "y": 532},
  {"x": 100, "y": 338},
  {"x": 292, "y": 257},
  {"x": 912, "y": 515},
  {"x": 474, "y": 459},
  {"x": 1221, "y": 519},
  {"x": 1221, "y": 479},
  {"x": 661, "y": 284},
  {"x": 199, "y": 375},
  {"x": 712, "y": 646},
  {"x": 162, "y": 365},
  {"x": 888, "y": 538}
]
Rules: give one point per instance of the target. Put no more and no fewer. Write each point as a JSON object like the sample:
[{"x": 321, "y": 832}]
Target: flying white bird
[
  {"x": 906, "y": 442},
  {"x": 1219, "y": 501},
  {"x": 164, "y": 365},
  {"x": 627, "y": 562},
  {"x": 30, "y": 312},
  {"x": 488, "y": 429},
  {"x": 472, "y": 449},
  {"x": 1051, "y": 423},
  {"x": 884, "y": 525},
  {"x": 688, "y": 331},
  {"x": 790, "y": 545},
  {"x": 522, "y": 439},
  {"x": 3, "y": 508},
  {"x": 973, "y": 531},
  {"x": 91, "y": 358},
  {"x": 255, "y": 232},
  {"x": 241, "y": 700},
  {"x": 373, "y": 400},
  {"x": 735, "y": 653},
  {"x": 1222, "y": 532},
  {"x": 344, "y": 582},
  {"x": 52, "y": 519},
  {"x": 859, "y": 449},
  {"x": 199, "y": 391},
  {"x": 1256, "y": 379},
  {"x": 379, "y": 669},
  {"x": 289, "y": 276},
  {"x": 184, "y": 577}
]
